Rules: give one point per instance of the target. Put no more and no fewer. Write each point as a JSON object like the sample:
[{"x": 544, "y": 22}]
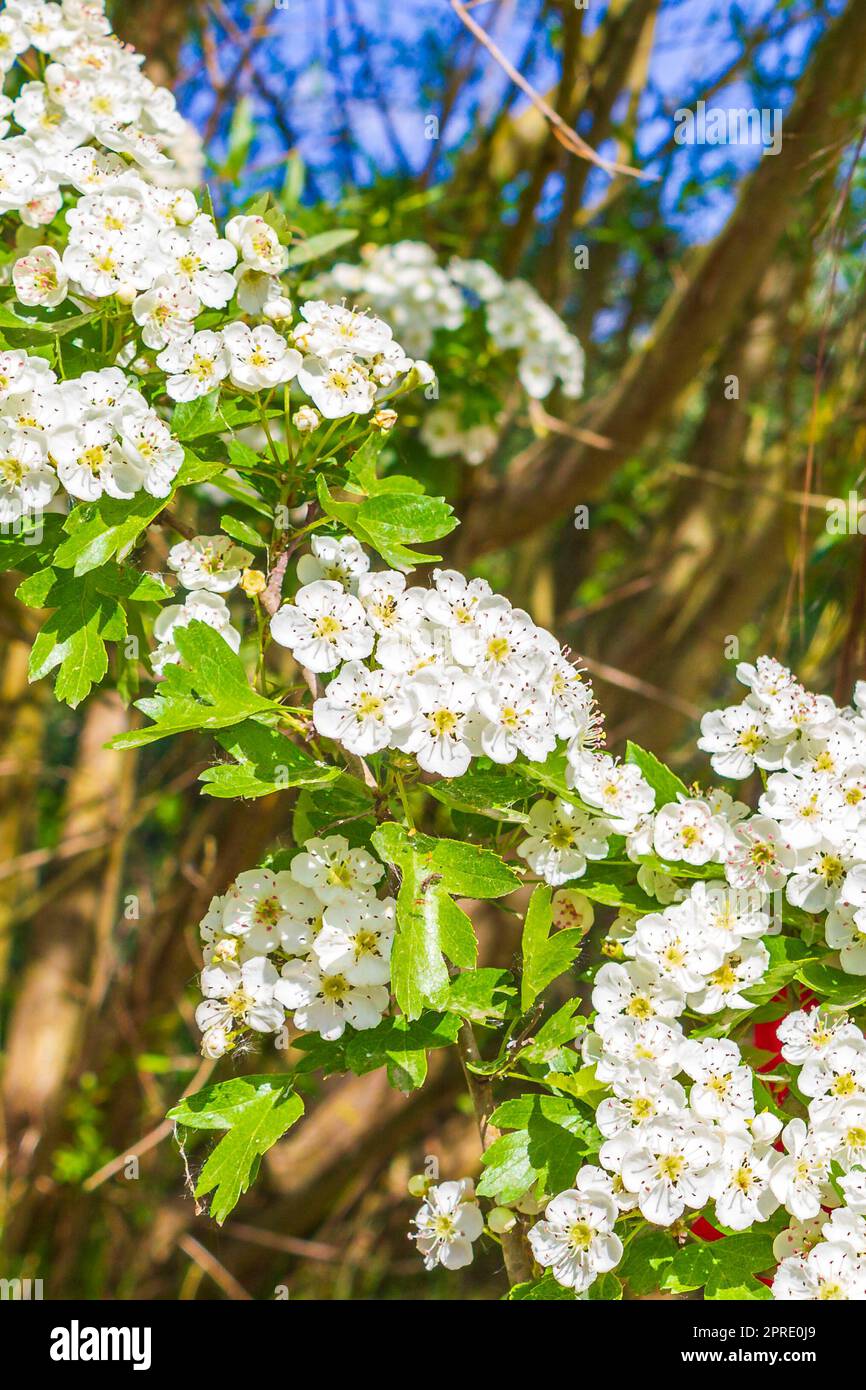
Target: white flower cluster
[
  {"x": 93, "y": 435},
  {"x": 92, "y": 89},
  {"x": 446, "y": 1224},
  {"x": 95, "y": 127},
  {"x": 347, "y": 359},
  {"x": 705, "y": 946},
  {"x": 443, "y": 435},
  {"x": 312, "y": 940},
  {"x": 829, "y": 1259},
  {"x": 405, "y": 285},
  {"x": 810, "y": 836},
  {"x": 681, "y": 1130},
  {"x": 208, "y": 567},
  {"x": 823, "y": 1259},
  {"x": 458, "y": 672}
]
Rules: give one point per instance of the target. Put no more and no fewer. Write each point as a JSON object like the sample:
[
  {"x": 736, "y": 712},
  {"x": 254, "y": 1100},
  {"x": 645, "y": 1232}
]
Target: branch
[
  {"x": 573, "y": 142},
  {"x": 700, "y": 311},
  {"x": 517, "y": 1262}
]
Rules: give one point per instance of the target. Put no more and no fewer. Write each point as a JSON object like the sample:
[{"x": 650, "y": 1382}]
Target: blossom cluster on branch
[{"x": 215, "y": 501}]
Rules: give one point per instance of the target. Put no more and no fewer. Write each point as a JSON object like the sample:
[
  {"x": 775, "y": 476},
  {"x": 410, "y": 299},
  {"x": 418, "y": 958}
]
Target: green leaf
[
  {"x": 419, "y": 976},
  {"x": 53, "y": 327},
  {"x": 468, "y": 871},
  {"x": 481, "y": 995},
  {"x": 725, "y": 1269},
  {"x": 551, "y": 775},
  {"x": 787, "y": 956},
  {"x": 647, "y": 1259},
  {"x": 606, "y": 1288},
  {"x": 838, "y": 991},
  {"x": 362, "y": 474},
  {"x": 545, "y": 1288},
  {"x": 666, "y": 785},
  {"x": 551, "y": 1138},
  {"x": 388, "y": 520},
  {"x": 88, "y": 612},
  {"x": 193, "y": 419},
  {"x": 429, "y": 923},
  {"x": 492, "y": 792},
  {"x": 545, "y": 957},
  {"x": 241, "y": 532},
  {"x": 221, "y": 1105},
  {"x": 266, "y": 762},
  {"x": 105, "y": 530},
  {"x": 344, "y": 807},
  {"x": 457, "y": 934},
  {"x": 293, "y": 183},
  {"x": 317, "y": 246},
  {"x": 210, "y": 691},
  {"x": 615, "y": 885},
  {"x": 241, "y": 133},
  {"x": 555, "y": 1033},
  {"x": 401, "y": 1045},
  {"x": 254, "y": 1127}
]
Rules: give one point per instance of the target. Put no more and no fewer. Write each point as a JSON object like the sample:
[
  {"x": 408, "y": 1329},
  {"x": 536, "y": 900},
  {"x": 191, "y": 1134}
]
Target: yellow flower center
[
  {"x": 369, "y": 706},
  {"x": 497, "y": 648},
  {"x": 639, "y": 1007},
  {"x": 580, "y": 1236},
  {"x": 327, "y": 626},
  {"x": 442, "y": 721},
  {"x": 671, "y": 1167}
]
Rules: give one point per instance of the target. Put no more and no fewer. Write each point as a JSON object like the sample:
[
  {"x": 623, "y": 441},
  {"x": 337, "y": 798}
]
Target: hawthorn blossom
[
  {"x": 338, "y": 386},
  {"x": 209, "y": 562},
  {"x": 196, "y": 366},
  {"x": 745, "y": 1197},
  {"x": 334, "y": 871},
  {"x": 438, "y": 730},
  {"x": 356, "y": 939},
  {"x": 828, "y": 1272},
  {"x": 361, "y": 709},
  {"x": 339, "y": 558},
  {"x": 447, "y": 1224},
  {"x": 561, "y": 839},
  {"x": 325, "y": 1002},
  {"x": 618, "y": 790},
  {"x": 689, "y": 832},
  {"x": 576, "y": 1238},
  {"x": 672, "y": 1166},
  {"x": 323, "y": 627},
  {"x": 27, "y": 482},
  {"x": 259, "y": 358},
  {"x": 40, "y": 278},
  {"x": 758, "y": 857}
]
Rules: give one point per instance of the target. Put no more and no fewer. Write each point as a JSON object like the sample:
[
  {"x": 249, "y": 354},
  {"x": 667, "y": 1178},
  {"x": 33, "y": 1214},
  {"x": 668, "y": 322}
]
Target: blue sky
[{"x": 357, "y": 78}]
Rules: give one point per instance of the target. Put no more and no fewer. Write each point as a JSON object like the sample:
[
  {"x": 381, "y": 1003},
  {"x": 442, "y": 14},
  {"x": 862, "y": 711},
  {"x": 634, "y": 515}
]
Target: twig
[
  {"x": 573, "y": 142},
  {"x": 273, "y": 594},
  {"x": 148, "y": 1141},
  {"x": 514, "y": 1250},
  {"x": 289, "y": 1245},
  {"x": 211, "y": 1265},
  {"x": 639, "y": 687}
]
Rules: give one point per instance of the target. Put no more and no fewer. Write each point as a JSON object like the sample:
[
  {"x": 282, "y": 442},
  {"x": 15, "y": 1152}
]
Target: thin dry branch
[{"x": 567, "y": 137}]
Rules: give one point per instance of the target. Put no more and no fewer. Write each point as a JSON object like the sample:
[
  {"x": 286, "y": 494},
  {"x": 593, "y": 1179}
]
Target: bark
[{"x": 700, "y": 311}]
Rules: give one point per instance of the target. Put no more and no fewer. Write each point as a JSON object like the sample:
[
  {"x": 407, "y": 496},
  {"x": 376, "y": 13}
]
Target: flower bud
[
  {"x": 384, "y": 420},
  {"x": 253, "y": 582},
  {"x": 501, "y": 1219},
  {"x": 306, "y": 419}
]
